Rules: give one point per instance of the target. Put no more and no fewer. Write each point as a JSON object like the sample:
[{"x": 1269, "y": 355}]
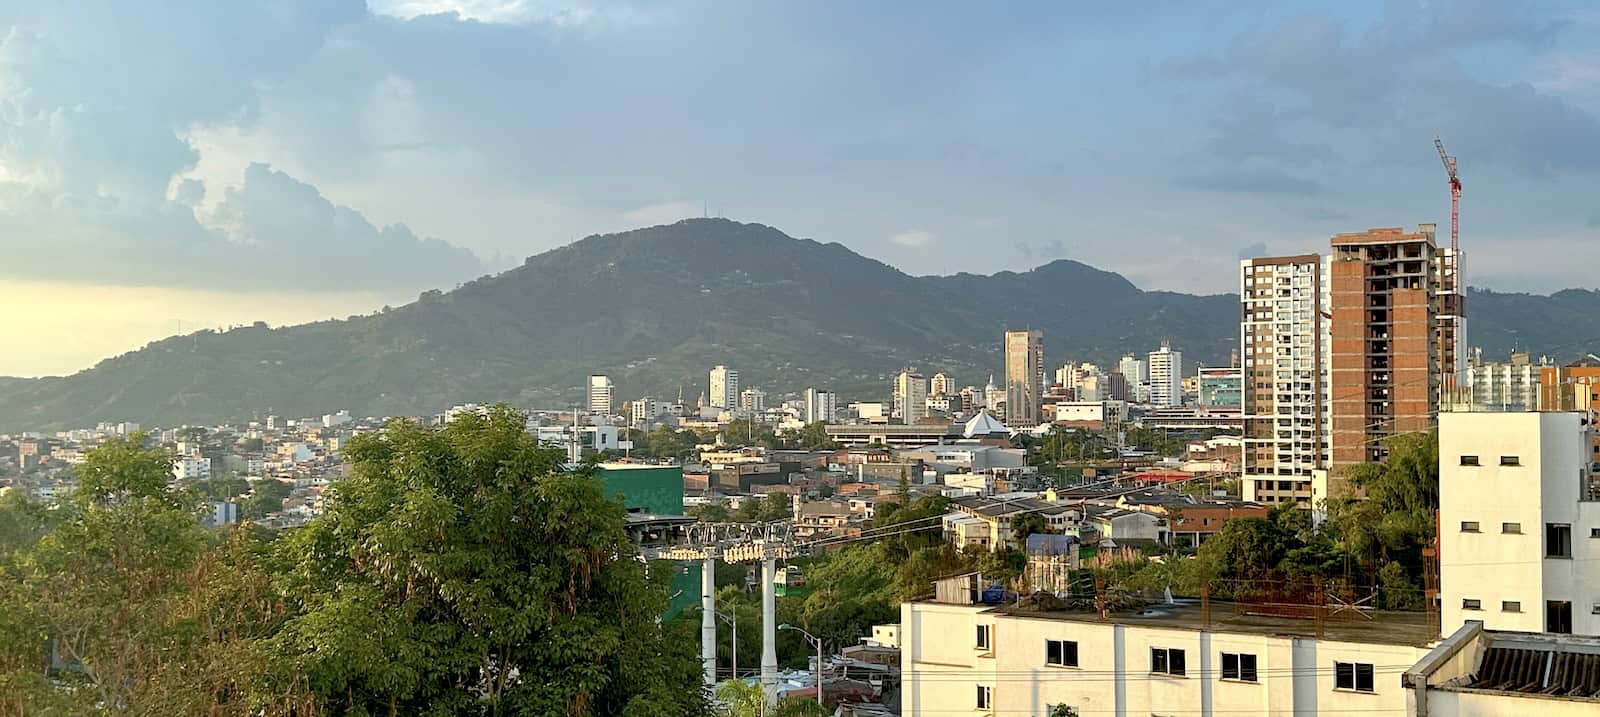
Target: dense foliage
[
  {"x": 457, "y": 572},
  {"x": 1365, "y": 546}
]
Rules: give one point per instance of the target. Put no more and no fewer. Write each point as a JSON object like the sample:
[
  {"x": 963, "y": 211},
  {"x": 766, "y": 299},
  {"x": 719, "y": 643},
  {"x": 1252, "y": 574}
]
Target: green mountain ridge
[{"x": 655, "y": 308}]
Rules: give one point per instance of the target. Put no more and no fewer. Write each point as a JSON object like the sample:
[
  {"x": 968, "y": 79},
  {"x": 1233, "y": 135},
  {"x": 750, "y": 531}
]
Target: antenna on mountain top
[{"x": 705, "y": 209}]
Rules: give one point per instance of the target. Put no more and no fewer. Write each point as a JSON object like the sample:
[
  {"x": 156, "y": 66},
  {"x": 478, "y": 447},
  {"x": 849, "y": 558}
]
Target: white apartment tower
[
  {"x": 942, "y": 385},
  {"x": 724, "y": 387},
  {"x": 821, "y": 405},
  {"x": 910, "y": 396},
  {"x": 1519, "y": 522},
  {"x": 601, "y": 391},
  {"x": 1284, "y": 345},
  {"x": 1166, "y": 377},
  {"x": 1137, "y": 375},
  {"x": 752, "y": 401}
]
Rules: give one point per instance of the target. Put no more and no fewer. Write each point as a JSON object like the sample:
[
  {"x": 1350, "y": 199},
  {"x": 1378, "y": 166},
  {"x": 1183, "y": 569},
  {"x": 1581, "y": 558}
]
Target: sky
[{"x": 175, "y": 165}]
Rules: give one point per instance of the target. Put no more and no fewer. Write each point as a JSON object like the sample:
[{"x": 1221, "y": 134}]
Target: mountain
[{"x": 655, "y": 308}]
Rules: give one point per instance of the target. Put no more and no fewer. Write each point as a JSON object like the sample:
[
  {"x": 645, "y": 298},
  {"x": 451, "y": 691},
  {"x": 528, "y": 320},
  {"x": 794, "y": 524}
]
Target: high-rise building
[
  {"x": 942, "y": 385},
  {"x": 1396, "y": 312},
  {"x": 724, "y": 387},
  {"x": 821, "y": 406},
  {"x": 1166, "y": 377},
  {"x": 910, "y": 396},
  {"x": 600, "y": 393},
  {"x": 752, "y": 401},
  {"x": 1509, "y": 386},
  {"x": 1024, "y": 376},
  {"x": 1137, "y": 375},
  {"x": 642, "y": 410},
  {"x": 1283, "y": 333}
]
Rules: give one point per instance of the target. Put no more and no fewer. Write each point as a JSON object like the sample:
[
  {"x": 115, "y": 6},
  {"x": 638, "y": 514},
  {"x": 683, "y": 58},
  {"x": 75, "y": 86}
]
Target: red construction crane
[{"x": 1455, "y": 195}]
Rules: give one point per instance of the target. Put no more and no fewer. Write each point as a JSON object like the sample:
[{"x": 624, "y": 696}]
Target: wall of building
[
  {"x": 1490, "y": 704},
  {"x": 1492, "y": 565},
  {"x": 1295, "y": 675}
]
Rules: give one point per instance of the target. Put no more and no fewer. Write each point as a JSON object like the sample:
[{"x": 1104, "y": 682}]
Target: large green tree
[
  {"x": 459, "y": 570},
  {"x": 118, "y": 602}
]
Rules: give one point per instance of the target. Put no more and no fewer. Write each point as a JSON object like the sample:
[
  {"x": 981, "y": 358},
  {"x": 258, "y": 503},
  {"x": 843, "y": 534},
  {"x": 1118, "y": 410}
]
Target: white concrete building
[
  {"x": 330, "y": 420},
  {"x": 821, "y": 405},
  {"x": 977, "y": 660},
  {"x": 752, "y": 401},
  {"x": 910, "y": 396},
  {"x": 601, "y": 390},
  {"x": 1510, "y": 386},
  {"x": 1166, "y": 377},
  {"x": 191, "y": 468},
  {"x": 941, "y": 385},
  {"x": 590, "y": 438},
  {"x": 1285, "y": 348},
  {"x": 1519, "y": 522},
  {"x": 1137, "y": 375},
  {"x": 724, "y": 387},
  {"x": 642, "y": 411}
]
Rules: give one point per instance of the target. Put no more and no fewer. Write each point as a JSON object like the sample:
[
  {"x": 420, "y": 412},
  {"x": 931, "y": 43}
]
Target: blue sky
[{"x": 342, "y": 154}]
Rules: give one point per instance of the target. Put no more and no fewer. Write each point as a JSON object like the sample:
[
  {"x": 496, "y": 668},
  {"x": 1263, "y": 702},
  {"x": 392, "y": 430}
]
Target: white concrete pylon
[
  {"x": 708, "y": 618},
  {"x": 769, "y": 629}
]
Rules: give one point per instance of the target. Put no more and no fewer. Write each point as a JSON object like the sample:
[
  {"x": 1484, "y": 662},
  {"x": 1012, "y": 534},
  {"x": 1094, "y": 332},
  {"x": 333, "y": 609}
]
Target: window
[
  {"x": 1594, "y": 532},
  {"x": 1061, "y": 653},
  {"x": 1469, "y": 526},
  {"x": 1469, "y": 460},
  {"x": 1510, "y": 461},
  {"x": 1241, "y": 667},
  {"x": 1471, "y": 604},
  {"x": 1511, "y": 528},
  {"x": 1510, "y": 606},
  {"x": 1167, "y": 661},
  {"x": 1558, "y": 616},
  {"x": 983, "y": 637},
  {"x": 1355, "y": 676},
  {"x": 1557, "y": 540},
  {"x": 985, "y": 697}
]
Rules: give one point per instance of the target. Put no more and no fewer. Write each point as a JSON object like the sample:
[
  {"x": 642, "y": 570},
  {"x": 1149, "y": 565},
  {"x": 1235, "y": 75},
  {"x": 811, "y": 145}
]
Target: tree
[
  {"x": 222, "y": 488},
  {"x": 149, "y": 611},
  {"x": 1025, "y": 525},
  {"x": 459, "y": 570},
  {"x": 266, "y": 497},
  {"x": 744, "y": 699},
  {"x": 814, "y": 437},
  {"x": 716, "y": 512},
  {"x": 775, "y": 507},
  {"x": 1063, "y": 711}
]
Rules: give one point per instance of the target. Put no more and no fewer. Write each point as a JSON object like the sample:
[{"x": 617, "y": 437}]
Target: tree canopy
[{"x": 459, "y": 570}]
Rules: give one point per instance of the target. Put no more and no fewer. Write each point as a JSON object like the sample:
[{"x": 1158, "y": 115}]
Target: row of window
[
  {"x": 1557, "y": 536},
  {"x": 1504, "y": 460},
  {"x": 1236, "y": 666},
  {"x": 1352, "y": 676}
]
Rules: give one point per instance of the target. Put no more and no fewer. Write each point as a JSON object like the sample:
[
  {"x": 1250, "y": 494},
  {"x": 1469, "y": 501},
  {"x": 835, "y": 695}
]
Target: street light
[
  {"x": 732, "y": 619},
  {"x": 813, "y": 639}
]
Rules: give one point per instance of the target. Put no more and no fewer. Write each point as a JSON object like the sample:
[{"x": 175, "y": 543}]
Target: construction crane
[{"x": 1455, "y": 194}]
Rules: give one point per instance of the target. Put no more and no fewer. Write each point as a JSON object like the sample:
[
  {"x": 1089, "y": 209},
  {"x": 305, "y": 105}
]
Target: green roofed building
[{"x": 656, "y": 490}]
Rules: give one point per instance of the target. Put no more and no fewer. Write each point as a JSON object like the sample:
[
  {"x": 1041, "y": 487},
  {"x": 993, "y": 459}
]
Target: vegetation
[
  {"x": 456, "y": 572},
  {"x": 743, "y": 699},
  {"x": 1365, "y": 546}
]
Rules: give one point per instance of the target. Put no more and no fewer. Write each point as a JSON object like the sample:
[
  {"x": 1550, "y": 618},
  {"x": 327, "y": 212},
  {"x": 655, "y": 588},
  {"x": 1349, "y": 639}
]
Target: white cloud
[
  {"x": 663, "y": 213},
  {"x": 505, "y": 12},
  {"x": 911, "y": 237}
]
